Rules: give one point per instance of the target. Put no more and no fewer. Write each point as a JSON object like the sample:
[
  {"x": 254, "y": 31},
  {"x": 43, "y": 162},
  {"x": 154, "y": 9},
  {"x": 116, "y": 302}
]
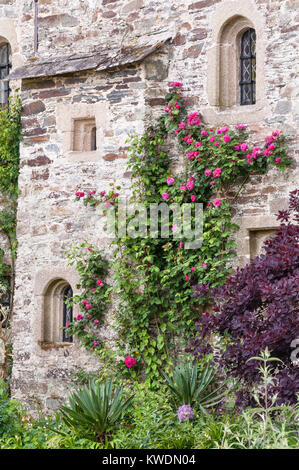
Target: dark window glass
[
  {"x": 93, "y": 138},
  {"x": 67, "y": 313},
  {"x": 248, "y": 67},
  {"x": 5, "y": 66}
]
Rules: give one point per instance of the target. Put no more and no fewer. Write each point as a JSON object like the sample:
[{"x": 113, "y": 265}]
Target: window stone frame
[
  {"x": 229, "y": 21},
  {"x": 67, "y": 114},
  {"x": 48, "y": 292}
]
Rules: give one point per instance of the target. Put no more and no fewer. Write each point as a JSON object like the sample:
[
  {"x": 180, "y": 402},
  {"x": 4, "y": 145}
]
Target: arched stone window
[
  {"x": 5, "y": 66},
  {"x": 235, "y": 82},
  {"x": 57, "y": 312}
]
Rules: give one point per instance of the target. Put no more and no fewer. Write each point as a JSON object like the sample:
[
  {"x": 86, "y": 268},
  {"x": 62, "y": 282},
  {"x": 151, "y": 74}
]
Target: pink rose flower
[
  {"x": 186, "y": 278},
  {"x": 193, "y": 198},
  {"x": 181, "y": 125},
  {"x": 130, "y": 361},
  {"x": 226, "y": 138},
  {"x": 96, "y": 343},
  {"x": 79, "y": 317},
  {"x": 243, "y": 147},
  {"x": 217, "y": 173},
  {"x": 192, "y": 269},
  {"x": 212, "y": 138},
  {"x": 170, "y": 180},
  {"x": 165, "y": 196},
  {"x": 277, "y": 159},
  {"x": 217, "y": 202},
  {"x": 204, "y": 133},
  {"x": 96, "y": 322},
  {"x": 183, "y": 188},
  {"x": 207, "y": 172},
  {"x": 190, "y": 184}
]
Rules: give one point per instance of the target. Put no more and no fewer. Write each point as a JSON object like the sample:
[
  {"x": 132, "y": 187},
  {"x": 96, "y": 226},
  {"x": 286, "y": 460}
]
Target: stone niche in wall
[
  {"x": 257, "y": 237},
  {"x": 253, "y": 232},
  {"x": 81, "y": 128},
  {"x": 84, "y": 135}
]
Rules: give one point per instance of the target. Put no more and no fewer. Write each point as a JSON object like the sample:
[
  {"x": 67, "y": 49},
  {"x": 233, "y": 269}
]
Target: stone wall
[{"x": 124, "y": 100}]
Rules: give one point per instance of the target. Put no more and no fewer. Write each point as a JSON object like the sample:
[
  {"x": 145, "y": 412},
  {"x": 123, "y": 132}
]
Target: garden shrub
[
  {"x": 95, "y": 409},
  {"x": 257, "y": 308},
  {"x": 9, "y": 411}
]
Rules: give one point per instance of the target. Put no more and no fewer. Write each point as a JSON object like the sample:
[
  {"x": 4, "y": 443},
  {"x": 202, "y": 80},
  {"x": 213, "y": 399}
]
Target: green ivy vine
[{"x": 10, "y": 137}]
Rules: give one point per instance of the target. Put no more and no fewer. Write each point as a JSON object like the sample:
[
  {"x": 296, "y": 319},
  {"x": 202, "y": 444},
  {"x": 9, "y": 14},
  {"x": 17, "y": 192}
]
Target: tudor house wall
[{"x": 55, "y": 162}]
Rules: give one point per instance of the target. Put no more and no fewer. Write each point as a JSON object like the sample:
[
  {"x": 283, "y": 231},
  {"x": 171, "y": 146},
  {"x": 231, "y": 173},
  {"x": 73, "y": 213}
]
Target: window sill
[
  {"x": 78, "y": 156},
  {"x": 246, "y": 114},
  {"x": 46, "y": 346}
]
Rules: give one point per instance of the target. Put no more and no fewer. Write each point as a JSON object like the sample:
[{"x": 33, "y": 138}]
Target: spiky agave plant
[
  {"x": 192, "y": 387},
  {"x": 95, "y": 409}
]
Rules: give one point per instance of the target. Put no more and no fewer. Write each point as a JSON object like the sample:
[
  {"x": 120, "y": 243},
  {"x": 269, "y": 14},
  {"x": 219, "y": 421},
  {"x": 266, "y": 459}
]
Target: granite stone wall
[{"x": 125, "y": 99}]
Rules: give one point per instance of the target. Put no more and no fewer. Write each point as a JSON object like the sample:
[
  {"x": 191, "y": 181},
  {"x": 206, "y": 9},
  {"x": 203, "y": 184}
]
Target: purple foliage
[{"x": 257, "y": 308}]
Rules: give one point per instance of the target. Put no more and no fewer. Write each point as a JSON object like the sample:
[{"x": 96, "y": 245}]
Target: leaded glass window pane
[
  {"x": 5, "y": 66},
  {"x": 67, "y": 313},
  {"x": 248, "y": 67}
]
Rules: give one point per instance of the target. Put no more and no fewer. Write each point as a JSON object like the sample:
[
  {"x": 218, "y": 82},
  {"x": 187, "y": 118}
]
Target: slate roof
[{"x": 100, "y": 60}]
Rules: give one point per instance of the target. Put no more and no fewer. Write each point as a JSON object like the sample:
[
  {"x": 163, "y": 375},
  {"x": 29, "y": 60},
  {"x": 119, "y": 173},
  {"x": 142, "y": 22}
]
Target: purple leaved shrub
[{"x": 258, "y": 308}]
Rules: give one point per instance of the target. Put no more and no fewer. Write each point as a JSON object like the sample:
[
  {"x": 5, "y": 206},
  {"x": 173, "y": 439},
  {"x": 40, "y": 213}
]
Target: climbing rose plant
[
  {"x": 156, "y": 312},
  {"x": 94, "y": 297},
  {"x": 257, "y": 308}
]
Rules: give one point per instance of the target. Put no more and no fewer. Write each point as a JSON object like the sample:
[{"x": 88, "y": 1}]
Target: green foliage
[
  {"x": 153, "y": 424},
  {"x": 95, "y": 409},
  {"x": 9, "y": 412},
  {"x": 93, "y": 300},
  {"x": 10, "y": 137},
  {"x": 194, "y": 388}
]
